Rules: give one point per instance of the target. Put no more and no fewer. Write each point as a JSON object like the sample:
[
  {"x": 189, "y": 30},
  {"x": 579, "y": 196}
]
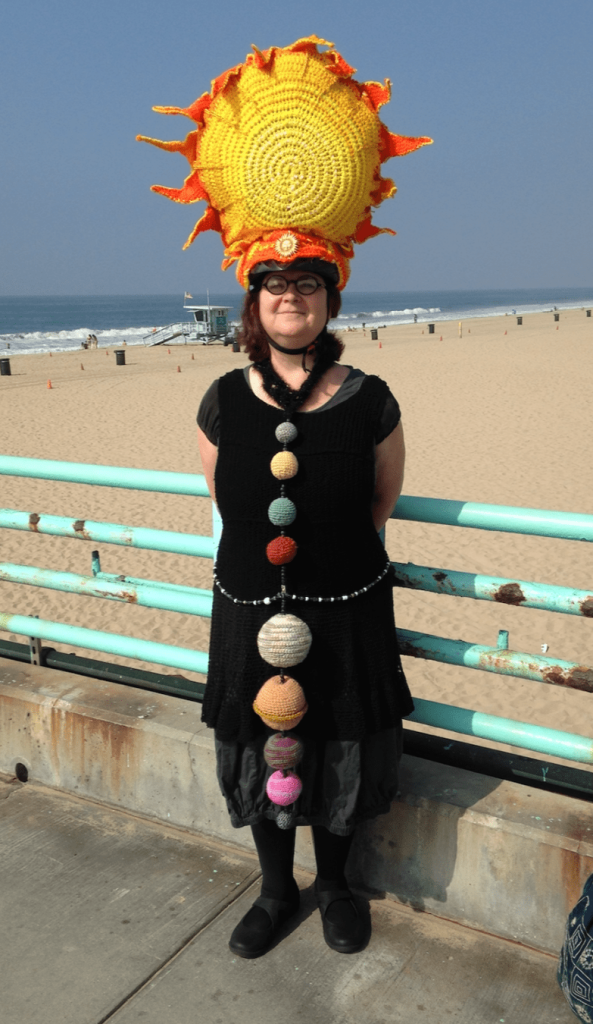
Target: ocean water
[{"x": 54, "y": 323}]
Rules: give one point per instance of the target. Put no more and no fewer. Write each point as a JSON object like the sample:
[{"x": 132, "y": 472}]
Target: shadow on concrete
[{"x": 412, "y": 852}]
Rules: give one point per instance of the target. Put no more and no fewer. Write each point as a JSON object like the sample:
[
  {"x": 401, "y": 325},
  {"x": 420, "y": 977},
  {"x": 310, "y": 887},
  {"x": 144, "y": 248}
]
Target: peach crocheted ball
[
  {"x": 280, "y": 705},
  {"x": 284, "y": 465}
]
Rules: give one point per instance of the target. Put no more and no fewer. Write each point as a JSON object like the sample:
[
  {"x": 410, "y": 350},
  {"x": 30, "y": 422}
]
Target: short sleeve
[
  {"x": 390, "y": 418},
  {"x": 208, "y": 414}
]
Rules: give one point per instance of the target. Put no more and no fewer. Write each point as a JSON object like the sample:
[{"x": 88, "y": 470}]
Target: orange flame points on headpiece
[{"x": 287, "y": 153}]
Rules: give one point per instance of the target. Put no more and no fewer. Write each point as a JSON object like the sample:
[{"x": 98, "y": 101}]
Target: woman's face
[{"x": 292, "y": 319}]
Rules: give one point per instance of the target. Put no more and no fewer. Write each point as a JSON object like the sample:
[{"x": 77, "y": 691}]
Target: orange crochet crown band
[{"x": 287, "y": 153}]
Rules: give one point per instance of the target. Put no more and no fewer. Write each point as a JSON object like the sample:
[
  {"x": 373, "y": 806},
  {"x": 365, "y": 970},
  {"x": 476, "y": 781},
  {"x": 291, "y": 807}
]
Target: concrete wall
[{"x": 502, "y": 857}]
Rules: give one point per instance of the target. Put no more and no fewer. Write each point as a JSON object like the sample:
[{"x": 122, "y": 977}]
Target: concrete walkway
[{"x": 110, "y": 917}]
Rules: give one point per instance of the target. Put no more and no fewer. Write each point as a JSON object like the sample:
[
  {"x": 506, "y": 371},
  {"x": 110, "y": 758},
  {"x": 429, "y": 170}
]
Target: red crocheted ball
[{"x": 281, "y": 550}]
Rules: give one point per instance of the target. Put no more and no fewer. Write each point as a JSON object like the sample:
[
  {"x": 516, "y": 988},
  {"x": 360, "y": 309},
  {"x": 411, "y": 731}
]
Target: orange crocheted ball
[
  {"x": 284, "y": 465},
  {"x": 281, "y": 705},
  {"x": 281, "y": 550}
]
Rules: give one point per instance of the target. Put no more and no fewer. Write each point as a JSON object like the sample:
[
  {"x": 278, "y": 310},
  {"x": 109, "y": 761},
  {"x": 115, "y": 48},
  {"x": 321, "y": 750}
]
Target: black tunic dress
[{"x": 352, "y": 676}]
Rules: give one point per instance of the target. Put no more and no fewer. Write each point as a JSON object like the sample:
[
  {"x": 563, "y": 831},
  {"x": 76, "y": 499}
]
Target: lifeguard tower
[{"x": 211, "y": 321}]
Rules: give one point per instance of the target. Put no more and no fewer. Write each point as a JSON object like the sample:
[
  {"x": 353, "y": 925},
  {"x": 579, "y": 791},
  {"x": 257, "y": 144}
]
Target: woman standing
[
  {"x": 350, "y": 447},
  {"x": 304, "y": 458}
]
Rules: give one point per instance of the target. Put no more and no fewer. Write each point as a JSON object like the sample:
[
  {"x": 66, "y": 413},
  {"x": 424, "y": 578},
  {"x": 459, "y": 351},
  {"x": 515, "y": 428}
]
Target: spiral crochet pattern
[{"x": 286, "y": 153}]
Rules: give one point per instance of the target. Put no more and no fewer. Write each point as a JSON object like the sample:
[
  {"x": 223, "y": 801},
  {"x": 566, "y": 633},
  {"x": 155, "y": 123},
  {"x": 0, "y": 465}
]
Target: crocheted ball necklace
[{"x": 284, "y": 640}]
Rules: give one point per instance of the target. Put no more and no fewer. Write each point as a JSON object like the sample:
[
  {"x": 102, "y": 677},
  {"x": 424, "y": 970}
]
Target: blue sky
[{"x": 502, "y": 199}]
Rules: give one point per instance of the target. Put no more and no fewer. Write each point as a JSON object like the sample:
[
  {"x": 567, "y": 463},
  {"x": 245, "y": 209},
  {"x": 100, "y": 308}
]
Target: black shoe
[
  {"x": 255, "y": 933},
  {"x": 344, "y": 929}
]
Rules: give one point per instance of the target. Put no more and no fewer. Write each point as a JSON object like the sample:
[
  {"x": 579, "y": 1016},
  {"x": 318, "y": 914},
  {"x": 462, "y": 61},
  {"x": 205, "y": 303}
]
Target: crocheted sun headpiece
[{"x": 287, "y": 153}]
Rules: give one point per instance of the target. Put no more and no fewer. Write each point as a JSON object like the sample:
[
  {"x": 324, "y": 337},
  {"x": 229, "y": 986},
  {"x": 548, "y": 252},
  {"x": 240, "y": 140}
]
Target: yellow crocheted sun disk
[
  {"x": 298, "y": 148},
  {"x": 288, "y": 143}
]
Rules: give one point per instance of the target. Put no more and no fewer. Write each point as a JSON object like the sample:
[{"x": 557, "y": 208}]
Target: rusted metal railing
[{"x": 194, "y": 601}]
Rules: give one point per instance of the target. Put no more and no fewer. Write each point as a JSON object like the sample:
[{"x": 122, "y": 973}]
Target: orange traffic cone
[
  {"x": 178, "y": 369},
  {"x": 441, "y": 338},
  {"x": 505, "y": 332},
  {"x": 49, "y": 384},
  {"x": 168, "y": 351},
  {"x": 192, "y": 355},
  {"x": 380, "y": 345},
  {"x": 81, "y": 367}
]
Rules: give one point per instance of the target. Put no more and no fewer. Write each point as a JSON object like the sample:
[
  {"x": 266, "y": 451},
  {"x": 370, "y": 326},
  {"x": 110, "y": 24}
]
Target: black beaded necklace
[{"x": 286, "y": 397}]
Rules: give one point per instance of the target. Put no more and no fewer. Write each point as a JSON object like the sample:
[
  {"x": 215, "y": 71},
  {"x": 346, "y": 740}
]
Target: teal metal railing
[{"x": 194, "y": 601}]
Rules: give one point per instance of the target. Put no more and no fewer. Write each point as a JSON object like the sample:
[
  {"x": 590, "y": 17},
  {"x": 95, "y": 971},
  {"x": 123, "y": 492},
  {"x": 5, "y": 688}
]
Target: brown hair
[{"x": 255, "y": 340}]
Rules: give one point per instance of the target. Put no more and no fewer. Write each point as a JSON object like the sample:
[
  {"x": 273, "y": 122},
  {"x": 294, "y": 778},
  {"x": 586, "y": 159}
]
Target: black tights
[{"x": 275, "y": 849}]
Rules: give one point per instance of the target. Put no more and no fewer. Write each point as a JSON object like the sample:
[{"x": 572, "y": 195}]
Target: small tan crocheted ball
[
  {"x": 284, "y": 465},
  {"x": 281, "y": 705},
  {"x": 284, "y": 640}
]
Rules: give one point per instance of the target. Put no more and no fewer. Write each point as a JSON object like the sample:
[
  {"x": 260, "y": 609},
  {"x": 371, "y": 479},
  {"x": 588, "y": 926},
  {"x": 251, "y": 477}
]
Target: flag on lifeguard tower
[{"x": 187, "y": 296}]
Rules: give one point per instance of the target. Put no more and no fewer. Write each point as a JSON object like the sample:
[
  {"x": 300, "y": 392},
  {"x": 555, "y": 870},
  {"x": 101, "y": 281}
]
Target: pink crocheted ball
[
  {"x": 284, "y": 789},
  {"x": 282, "y": 751}
]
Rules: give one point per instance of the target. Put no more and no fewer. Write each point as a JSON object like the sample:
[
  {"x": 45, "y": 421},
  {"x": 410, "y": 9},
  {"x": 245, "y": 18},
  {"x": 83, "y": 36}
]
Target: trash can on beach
[
  {"x": 519, "y": 320},
  {"x": 556, "y": 317},
  {"x": 431, "y": 328},
  {"x": 5, "y": 368},
  {"x": 588, "y": 312},
  {"x": 120, "y": 357},
  {"x": 374, "y": 335},
  {"x": 236, "y": 346}
]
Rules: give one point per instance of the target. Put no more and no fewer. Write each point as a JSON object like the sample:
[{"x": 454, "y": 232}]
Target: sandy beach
[{"x": 502, "y": 415}]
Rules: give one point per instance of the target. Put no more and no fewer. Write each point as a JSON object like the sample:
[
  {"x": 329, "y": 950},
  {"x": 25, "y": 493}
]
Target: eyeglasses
[{"x": 277, "y": 284}]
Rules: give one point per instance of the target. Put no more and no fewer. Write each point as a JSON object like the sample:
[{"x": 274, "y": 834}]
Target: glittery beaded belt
[{"x": 283, "y": 593}]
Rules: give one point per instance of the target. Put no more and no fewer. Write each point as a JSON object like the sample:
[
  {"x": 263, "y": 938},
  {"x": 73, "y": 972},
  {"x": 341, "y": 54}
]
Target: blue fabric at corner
[{"x": 575, "y": 969}]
